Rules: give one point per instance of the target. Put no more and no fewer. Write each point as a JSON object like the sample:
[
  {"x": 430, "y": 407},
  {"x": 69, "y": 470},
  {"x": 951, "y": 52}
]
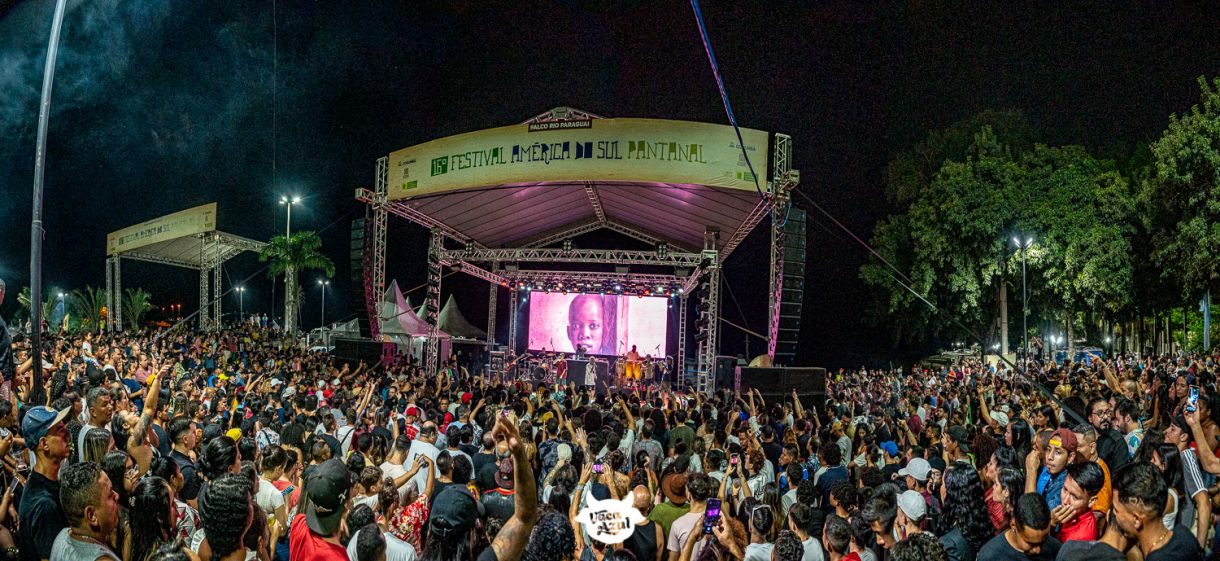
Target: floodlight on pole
[
  {"x": 323, "y": 284},
  {"x": 241, "y": 304}
]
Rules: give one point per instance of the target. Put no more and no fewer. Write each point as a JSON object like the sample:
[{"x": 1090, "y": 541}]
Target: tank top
[
  {"x": 1171, "y": 518},
  {"x": 643, "y": 542}
]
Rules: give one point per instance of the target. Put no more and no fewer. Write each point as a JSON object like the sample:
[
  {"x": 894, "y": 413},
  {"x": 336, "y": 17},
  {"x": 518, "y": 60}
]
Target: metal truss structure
[
  {"x": 499, "y": 265},
  {"x": 787, "y": 180},
  {"x": 553, "y": 255},
  {"x": 206, "y": 252}
]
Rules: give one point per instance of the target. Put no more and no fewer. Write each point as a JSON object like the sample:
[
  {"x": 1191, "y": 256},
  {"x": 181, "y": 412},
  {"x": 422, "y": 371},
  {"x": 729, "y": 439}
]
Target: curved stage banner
[{"x": 629, "y": 150}]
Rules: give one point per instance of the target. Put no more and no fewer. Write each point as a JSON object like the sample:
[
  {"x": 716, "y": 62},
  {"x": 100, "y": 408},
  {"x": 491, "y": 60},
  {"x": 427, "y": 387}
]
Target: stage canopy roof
[
  {"x": 188, "y": 238},
  {"x": 567, "y": 172}
]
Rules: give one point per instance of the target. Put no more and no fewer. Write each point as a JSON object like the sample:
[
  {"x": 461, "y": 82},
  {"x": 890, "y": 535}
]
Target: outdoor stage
[{"x": 505, "y": 204}]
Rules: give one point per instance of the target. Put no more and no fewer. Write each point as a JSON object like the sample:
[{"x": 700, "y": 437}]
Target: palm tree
[
  {"x": 136, "y": 303},
  {"x": 88, "y": 304},
  {"x": 25, "y": 301},
  {"x": 288, "y": 256}
]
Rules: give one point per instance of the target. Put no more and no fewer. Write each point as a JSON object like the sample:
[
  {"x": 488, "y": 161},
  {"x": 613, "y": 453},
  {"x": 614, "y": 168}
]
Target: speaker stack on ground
[
  {"x": 360, "y": 285},
  {"x": 352, "y": 351},
  {"x": 777, "y": 383},
  {"x": 793, "y": 294}
]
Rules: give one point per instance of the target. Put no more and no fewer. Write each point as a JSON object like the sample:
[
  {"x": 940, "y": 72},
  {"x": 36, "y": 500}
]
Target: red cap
[
  {"x": 412, "y": 412},
  {"x": 466, "y": 397}
]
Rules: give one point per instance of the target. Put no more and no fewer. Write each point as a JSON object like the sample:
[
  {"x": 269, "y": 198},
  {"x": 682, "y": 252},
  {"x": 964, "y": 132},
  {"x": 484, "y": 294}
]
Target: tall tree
[
  {"x": 1182, "y": 195},
  {"x": 289, "y": 256},
  {"x": 952, "y": 240},
  {"x": 136, "y": 303}
]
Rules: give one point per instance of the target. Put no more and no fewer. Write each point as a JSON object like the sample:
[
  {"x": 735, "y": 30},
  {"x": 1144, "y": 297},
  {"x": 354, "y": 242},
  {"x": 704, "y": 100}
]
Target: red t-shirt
[
  {"x": 1081, "y": 528},
  {"x": 303, "y": 545}
]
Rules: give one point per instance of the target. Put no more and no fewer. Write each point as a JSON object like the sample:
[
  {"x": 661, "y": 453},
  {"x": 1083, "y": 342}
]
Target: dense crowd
[{"x": 241, "y": 445}]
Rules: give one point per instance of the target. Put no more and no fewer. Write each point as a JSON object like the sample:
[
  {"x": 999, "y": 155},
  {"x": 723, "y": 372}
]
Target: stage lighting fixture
[{"x": 618, "y": 287}]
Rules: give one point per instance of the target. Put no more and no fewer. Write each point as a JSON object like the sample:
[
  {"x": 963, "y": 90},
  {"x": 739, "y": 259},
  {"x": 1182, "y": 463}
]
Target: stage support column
[
  {"x": 204, "y": 273},
  {"x": 432, "y": 306},
  {"x": 776, "y": 293},
  {"x": 116, "y": 311},
  {"x": 706, "y": 373},
  {"x": 377, "y": 235},
  {"x": 493, "y": 294},
  {"x": 680, "y": 363},
  {"x": 217, "y": 292},
  {"x": 512, "y": 319},
  {"x": 110, "y": 294}
]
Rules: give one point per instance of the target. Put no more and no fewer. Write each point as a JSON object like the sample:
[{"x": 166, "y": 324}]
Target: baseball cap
[
  {"x": 38, "y": 421},
  {"x": 1000, "y": 417},
  {"x": 412, "y": 412},
  {"x": 917, "y": 468},
  {"x": 504, "y": 475},
  {"x": 466, "y": 397},
  {"x": 912, "y": 504},
  {"x": 327, "y": 487},
  {"x": 563, "y": 451},
  {"x": 454, "y": 512},
  {"x": 1063, "y": 438},
  {"x": 890, "y": 448},
  {"x": 959, "y": 435}
]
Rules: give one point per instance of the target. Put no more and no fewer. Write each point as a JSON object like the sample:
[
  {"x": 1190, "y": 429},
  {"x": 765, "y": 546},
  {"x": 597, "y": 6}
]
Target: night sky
[{"x": 160, "y": 106}]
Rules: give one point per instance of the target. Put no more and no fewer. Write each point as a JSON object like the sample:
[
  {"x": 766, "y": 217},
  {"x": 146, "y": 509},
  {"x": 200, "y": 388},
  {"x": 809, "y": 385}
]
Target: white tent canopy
[{"x": 453, "y": 322}]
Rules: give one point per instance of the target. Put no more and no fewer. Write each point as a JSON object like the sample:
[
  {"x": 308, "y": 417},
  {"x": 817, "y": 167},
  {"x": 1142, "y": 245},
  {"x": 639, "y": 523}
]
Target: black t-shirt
[
  {"x": 1090, "y": 551},
  {"x": 1182, "y": 546},
  {"x": 41, "y": 518},
  {"x": 772, "y": 450},
  {"x": 998, "y": 549},
  {"x": 190, "y": 476},
  {"x": 164, "y": 447}
]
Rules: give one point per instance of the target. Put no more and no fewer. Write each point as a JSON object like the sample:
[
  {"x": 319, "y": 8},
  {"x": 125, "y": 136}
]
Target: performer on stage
[{"x": 633, "y": 364}]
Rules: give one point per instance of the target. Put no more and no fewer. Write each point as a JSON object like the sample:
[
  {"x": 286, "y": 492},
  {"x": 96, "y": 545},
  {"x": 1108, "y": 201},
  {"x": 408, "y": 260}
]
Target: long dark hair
[
  {"x": 1021, "y": 438},
  {"x": 965, "y": 507},
  {"x": 226, "y": 510},
  {"x": 1171, "y": 462},
  {"x": 218, "y": 455},
  {"x": 151, "y": 525}
]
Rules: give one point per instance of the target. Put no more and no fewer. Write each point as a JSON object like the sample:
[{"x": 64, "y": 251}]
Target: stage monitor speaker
[
  {"x": 793, "y": 294},
  {"x": 352, "y": 351},
  {"x": 726, "y": 371},
  {"x": 359, "y": 241},
  {"x": 778, "y": 382}
]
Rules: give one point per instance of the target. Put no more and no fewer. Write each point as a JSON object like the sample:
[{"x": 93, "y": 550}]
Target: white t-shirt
[
  {"x": 813, "y": 550},
  {"x": 395, "y": 549},
  {"x": 419, "y": 447},
  {"x": 268, "y": 497},
  {"x": 395, "y": 471},
  {"x": 687, "y": 527},
  {"x": 759, "y": 551}
]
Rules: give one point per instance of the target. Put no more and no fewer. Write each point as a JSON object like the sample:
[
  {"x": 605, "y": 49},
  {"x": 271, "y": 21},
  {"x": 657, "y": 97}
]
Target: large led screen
[{"x": 604, "y": 324}]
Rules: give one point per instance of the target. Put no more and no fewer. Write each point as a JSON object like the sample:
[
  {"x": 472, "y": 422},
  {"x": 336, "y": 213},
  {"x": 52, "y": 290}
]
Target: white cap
[
  {"x": 911, "y": 503},
  {"x": 918, "y": 468},
  {"x": 1000, "y": 417}
]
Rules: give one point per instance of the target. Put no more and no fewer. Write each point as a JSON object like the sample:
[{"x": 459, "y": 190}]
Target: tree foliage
[
  {"x": 289, "y": 256},
  {"x": 136, "y": 303},
  {"x": 87, "y": 306},
  {"x": 952, "y": 241},
  {"x": 1182, "y": 195}
]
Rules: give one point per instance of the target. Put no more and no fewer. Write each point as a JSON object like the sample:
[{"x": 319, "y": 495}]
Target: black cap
[
  {"x": 454, "y": 512},
  {"x": 327, "y": 487}
]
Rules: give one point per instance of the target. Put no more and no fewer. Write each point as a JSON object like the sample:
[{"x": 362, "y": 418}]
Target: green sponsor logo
[{"x": 440, "y": 166}]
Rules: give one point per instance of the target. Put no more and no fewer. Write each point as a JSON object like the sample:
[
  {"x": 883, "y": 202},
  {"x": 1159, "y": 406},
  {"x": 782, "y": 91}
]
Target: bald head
[{"x": 641, "y": 499}]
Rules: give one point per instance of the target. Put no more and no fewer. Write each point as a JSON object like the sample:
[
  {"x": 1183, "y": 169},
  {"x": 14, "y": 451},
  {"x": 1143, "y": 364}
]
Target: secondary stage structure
[
  {"x": 188, "y": 239},
  {"x": 500, "y": 198}
]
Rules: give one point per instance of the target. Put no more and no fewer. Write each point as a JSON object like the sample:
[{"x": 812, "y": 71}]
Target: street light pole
[
  {"x": 241, "y": 304},
  {"x": 1029, "y": 240},
  {"x": 324, "y": 284}
]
